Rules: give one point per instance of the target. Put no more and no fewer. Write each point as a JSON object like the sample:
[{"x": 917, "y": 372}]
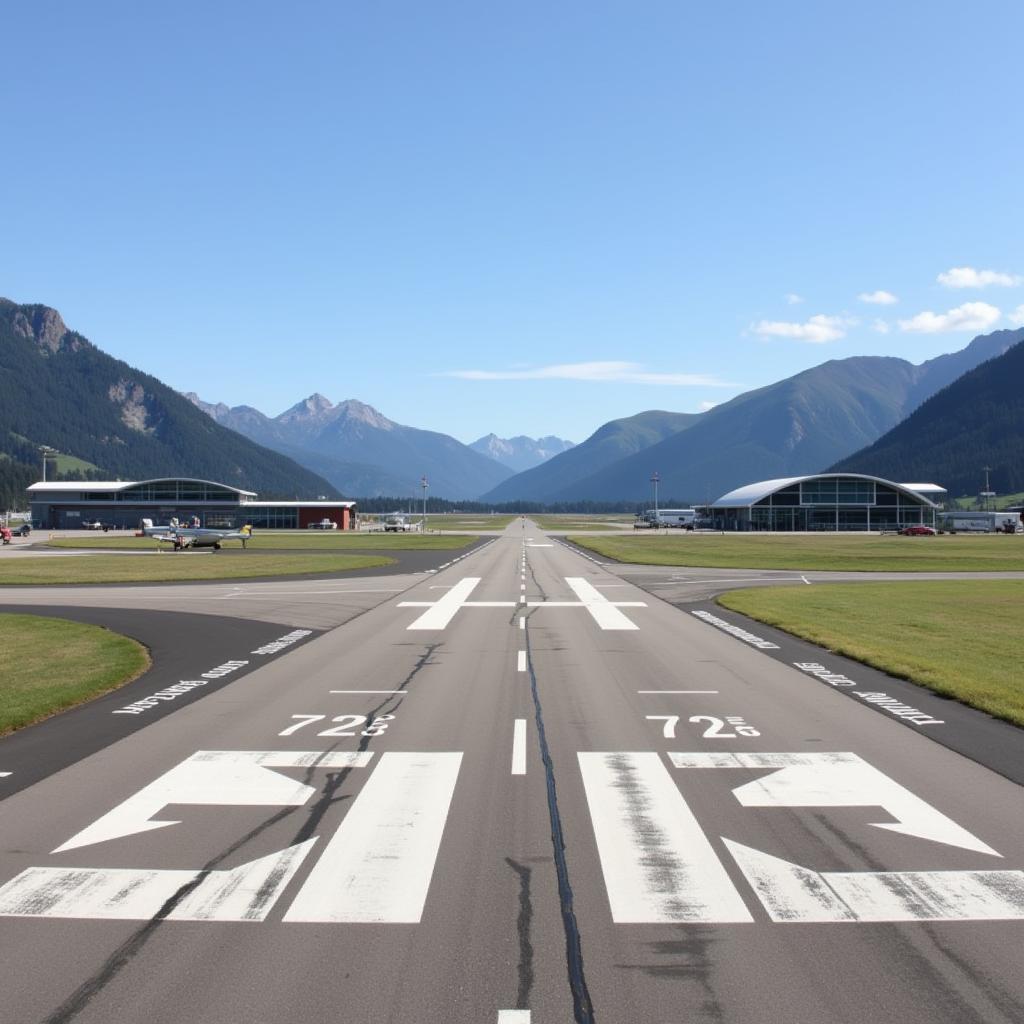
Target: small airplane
[{"x": 193, "y": 536}]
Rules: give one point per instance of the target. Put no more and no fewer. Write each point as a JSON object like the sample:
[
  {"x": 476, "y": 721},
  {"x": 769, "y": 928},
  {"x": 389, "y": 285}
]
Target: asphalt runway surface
[{"x": 522, "y": 790}]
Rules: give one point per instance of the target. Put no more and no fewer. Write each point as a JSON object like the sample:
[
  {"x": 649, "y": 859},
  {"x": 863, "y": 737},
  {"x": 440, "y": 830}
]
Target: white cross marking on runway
[{"x": 605, "y": 613}]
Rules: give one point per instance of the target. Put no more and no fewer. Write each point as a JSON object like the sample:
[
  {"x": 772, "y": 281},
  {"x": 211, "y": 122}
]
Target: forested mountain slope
[{"x": 58, "y": 389}]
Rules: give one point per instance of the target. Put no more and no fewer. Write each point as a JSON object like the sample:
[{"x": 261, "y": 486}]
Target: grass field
[
  {"x": 468, "y": 523},
  {"x": 171, "y": 567},
  {"x": 835, "y": 552},
  {"x": 291, "y": 540},
  {"x": 582, "y": 522},
  {"x": 959, "y": 638},
  {"x": 53, "y": 664}
]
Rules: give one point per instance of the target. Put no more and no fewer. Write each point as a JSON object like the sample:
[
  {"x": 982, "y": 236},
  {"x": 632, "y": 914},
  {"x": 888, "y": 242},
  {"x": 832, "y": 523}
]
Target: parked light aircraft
[{"x": 193, "y": 536}]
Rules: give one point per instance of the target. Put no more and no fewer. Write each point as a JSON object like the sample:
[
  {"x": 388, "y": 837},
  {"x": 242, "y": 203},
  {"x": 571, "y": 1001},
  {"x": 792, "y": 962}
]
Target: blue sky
[{"x": 521, "y": 218}]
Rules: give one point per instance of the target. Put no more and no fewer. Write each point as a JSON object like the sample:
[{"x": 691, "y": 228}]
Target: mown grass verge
[
  {"x": 469, "y": 523},
  {"x": 293, "y": 540},
  {"x": 582, "y": 522},
  {"x": 828, "y": 552},
  {"x": 54, "y": 664},
  {"x": 172, "y": 567},
  {"x": 959, "y": 638}
]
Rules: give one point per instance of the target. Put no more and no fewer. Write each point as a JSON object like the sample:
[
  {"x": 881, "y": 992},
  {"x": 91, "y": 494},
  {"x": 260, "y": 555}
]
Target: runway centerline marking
[
  {"x": 367, "y": 691},
  {"x": 519, "y": 747},
  {"x": 677, "y": 691},
  {"x": 521, "y": 661}
]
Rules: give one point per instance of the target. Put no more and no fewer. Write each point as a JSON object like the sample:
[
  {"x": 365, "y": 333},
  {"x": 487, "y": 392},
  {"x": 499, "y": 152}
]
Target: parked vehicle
[
  {"x": 683, "y": 518},
  {"x": 323, "y": 524},
  {"x": 917, "y": 531},
  {"x": 22, "y": 531},
  {"x": 5, "y": 534}
]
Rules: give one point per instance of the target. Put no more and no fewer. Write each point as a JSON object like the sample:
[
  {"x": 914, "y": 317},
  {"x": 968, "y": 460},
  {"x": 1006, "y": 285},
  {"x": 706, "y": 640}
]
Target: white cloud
[
  {"x": 603, "y": 372},
  {"x": 1017, "y": 316},
  {"x": 817, "y": 330},
  {"x": 971, "y": 316},
  {"x": 968, "y": 277},
  {"x": 792, "y": 299},
  {"x": 880, "y": 327},
  {"x": 878, "y": 298}
]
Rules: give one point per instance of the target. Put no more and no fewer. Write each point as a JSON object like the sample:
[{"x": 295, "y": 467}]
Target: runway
[{"x": 521, "y": 789}]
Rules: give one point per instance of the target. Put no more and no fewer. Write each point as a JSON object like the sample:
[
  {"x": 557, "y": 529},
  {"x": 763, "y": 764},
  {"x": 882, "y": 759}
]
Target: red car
[{"x": 917, "y": 531}]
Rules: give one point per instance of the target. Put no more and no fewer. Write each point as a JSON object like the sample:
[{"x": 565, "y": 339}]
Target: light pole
[
  {"x": 423, "y": 484},
  {"x": 987, "y": 494},
  {"x": 47, "y": 452},
  {"x": 654, "y": 480}
]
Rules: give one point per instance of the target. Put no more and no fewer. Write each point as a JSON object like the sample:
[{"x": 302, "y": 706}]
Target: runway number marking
[
  {"x": 346, "y": 722},
  {"x": 671, "y": 721},
  {"x": 716, "y": 727}
]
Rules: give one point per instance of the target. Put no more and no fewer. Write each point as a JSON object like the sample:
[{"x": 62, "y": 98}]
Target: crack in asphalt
[
  {"x": 524, "y": 920},
  {"x": 583, "y": 1010},
  {"x": 80, "y": 999}
]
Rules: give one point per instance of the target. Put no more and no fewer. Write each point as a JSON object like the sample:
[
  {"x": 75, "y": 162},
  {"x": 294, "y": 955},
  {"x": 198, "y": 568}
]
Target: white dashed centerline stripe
[
  {"x": 513, "y": 1017},
  {"x": 519, "y": 747},
  {"x": 522, "y": 622},
  {"x": 521, "y": 662},
  {"x": 367, "y": 691},
  {"x": 677, "y": 691}
]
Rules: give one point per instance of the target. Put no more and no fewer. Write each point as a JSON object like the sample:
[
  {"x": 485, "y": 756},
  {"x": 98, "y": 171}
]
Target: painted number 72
[{"x": 716, "y": 727}]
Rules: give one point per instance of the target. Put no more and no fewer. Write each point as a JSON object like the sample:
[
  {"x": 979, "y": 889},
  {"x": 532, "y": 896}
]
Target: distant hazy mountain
[
  {"x": 798, "y": 425},
  {"x": 976, "y": 421},
  {"x": 604, "y": 447},
  {"x": 58, "y": 389},
  {"x": 520, "y": 453},
  {"x": 361, "y": 451}
]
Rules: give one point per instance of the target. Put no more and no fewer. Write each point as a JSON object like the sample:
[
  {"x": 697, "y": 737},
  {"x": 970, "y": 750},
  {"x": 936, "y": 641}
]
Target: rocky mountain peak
[
  {"x": 44, "y": 326},
  {"x": 315, "y": 407},
  {"x": 360, "y": 412}
]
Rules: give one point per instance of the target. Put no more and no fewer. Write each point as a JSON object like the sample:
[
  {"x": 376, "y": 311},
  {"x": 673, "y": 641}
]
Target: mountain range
[
  {"x": 798, "y": 425},
  {"x": 58, "y": 389},
  {"x": 361, "y": 451},
  {"x": 520, "y": 453},
  {"x": 976, "y": 421}
]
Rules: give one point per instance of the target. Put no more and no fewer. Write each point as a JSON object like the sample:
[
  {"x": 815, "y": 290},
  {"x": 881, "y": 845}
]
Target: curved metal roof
[
  {"x": 751, "y": 494},
  {"x": 123, "y": 485}
]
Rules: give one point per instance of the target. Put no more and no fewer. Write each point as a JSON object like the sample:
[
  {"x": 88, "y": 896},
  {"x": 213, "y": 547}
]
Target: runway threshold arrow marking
[{"x": 218, "y": 777}]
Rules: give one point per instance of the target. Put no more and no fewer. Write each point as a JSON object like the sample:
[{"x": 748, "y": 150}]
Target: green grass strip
[
  {"x": 959, "y": 638},
  {"x": 293, "y": 540},
  {"x": 54, "y": 664},
  {"x": 171, "y": 567},
  {"x": 827, "y": 552}
]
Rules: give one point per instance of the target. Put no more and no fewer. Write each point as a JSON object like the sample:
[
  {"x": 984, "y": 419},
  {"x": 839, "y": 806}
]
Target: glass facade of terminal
[{"x": 828, "y": 504}]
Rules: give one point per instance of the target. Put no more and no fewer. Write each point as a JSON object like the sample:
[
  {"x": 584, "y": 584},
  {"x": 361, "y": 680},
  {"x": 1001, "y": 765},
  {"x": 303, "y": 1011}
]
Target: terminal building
[
  {"x": 827, "y": 501},
  {"x": 123, "y": 504}
]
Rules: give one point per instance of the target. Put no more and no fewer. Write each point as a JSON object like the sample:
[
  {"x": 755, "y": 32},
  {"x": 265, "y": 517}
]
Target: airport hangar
[
  {"x": 122, "y": 504},
  {"x": 827, "y": 501}
]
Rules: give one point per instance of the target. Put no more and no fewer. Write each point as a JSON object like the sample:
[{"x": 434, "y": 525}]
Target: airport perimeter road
[{"x": 522, "y": 791}]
